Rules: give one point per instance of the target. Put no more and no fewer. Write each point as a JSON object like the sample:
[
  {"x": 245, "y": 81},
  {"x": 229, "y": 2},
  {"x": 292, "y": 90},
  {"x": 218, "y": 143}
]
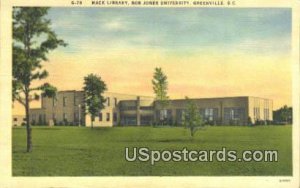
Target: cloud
[
  {"x": 115, "y": 25},
  {"x": 172, "y": 29},
  {"x": 267, "y": 46}
]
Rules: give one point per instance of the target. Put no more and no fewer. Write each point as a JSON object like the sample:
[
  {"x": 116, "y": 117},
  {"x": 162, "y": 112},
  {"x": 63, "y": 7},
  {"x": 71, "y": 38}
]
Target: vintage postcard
[{"x": 138, "y": 93}]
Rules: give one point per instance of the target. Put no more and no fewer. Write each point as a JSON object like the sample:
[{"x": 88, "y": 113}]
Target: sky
[{"x": 205, "y": 52}]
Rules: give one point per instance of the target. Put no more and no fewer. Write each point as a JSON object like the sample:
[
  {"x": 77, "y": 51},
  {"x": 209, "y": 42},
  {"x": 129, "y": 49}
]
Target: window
[
  {"x": 163, "y": 114},
  {"x": 128, "y": 120},
  {"x": 107, "y": 117},
  {"x": 75, "y": 116},
  {"x": 146, "y": 108},
  {"x": 266, "y": 114},
  {"x": 15, "y": 119},
  {"x": 74, "y": 100},
  {"x": 116, "y": 101},
  {"x": 129, "y": 108},
  {"x": 100, "y": 116},
  {"x": 115, "y": 117},
  {"x": 40, "y": 119},
  {"x": 53, "y": 101},
  {"x": 179, "y": 115},
  {"x": 209, "y": 114},
  {"x": 65, "y": 101},
  {"x": 53, "y": 116},
  {"x": 234, "y": 113},
  {"x": 65, "y": 116},
  {"x": 108, "y": 101},
  {"x": 256, "y": 113}
]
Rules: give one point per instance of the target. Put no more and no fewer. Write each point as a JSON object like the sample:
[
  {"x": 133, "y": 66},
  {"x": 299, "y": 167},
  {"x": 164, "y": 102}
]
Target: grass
[{"x": 74, "y": 151}]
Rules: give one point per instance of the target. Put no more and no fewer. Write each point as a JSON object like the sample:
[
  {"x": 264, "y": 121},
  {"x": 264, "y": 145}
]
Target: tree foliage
[
  {"x": 191, "y": 117},
  {"x": 284, "y": 114},
  {"x": 93, "y": 88},
  {"x": 160, "y": 85},
  {"x": 160, "y": 88},
  {"x": 33, "y": 39}
]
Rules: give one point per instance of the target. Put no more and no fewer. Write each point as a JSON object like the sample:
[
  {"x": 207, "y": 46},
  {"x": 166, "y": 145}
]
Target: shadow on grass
[
  {"x": 100, "y": 128},
  {"x": 47, "y": 129},
  {"x": 175, "y": 140},
  {"x": 16, "y": 151}
]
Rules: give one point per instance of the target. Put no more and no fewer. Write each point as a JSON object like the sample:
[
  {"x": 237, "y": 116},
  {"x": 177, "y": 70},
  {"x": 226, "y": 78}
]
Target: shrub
[{"x": 249, "y": 121}]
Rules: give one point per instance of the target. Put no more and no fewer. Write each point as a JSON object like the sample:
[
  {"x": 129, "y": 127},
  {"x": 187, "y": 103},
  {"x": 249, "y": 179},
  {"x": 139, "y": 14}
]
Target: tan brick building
[
  {"x": 123, "y": 109},
  {"x": 220, "y": 111}
]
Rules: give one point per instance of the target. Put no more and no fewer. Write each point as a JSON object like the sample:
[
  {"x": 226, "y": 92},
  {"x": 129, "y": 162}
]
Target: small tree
[
  {"x": 93, "y": 88},
  {"x": 191, "y": 117},
  {"x": 284, "y": 114},
  {"x": 160, "y": 88},
  {"x": 33, "y": 39}
]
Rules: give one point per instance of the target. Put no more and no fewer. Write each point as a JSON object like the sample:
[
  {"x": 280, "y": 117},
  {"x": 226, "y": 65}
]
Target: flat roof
[
  {"x": 210, "y": 98},
  {"x": 61, "y": 91}
]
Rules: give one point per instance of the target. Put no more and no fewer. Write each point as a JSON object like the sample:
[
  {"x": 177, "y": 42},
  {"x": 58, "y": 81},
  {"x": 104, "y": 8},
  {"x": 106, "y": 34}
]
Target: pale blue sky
[{"x": 174, "y": 29}]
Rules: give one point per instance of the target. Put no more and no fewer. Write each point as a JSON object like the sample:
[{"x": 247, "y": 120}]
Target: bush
[
  {"x": 249, "y": 121},
  {"x": 65, "y": 122},
  {"x": 260, "y": 122}
]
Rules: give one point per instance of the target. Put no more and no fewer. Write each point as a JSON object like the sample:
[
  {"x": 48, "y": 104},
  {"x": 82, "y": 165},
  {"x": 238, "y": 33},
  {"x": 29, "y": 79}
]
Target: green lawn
[{"x": 74, "y": 151}]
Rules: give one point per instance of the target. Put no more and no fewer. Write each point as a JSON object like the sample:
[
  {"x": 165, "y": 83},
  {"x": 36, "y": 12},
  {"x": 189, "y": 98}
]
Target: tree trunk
[
  {"x": 92, "y": 120},
  {"x": 28, "y": 127},
  {"x": 192, "y": 131}
]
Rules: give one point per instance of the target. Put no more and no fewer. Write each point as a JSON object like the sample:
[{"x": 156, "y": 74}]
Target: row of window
[
  {"x": 107, "y": 102},
  {"x": 234, "y": 113},
  {"x": 16, "y": 119},
  {"x": 135, "y": 108},
  {"x": 100, "y": 116},
  {"x": 208, "y": 114},
  {"x": 256, "y": 113}
]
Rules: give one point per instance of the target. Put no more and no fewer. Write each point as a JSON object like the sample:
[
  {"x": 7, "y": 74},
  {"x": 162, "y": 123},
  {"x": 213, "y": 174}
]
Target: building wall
[
  {"x": 260, "y": 109},
  {"x": 67, "y": 108},
  {"x": 111, "y": 114},
  {"x": 214, "y": 110},
  {"x": 37, "y": 116},
  {"x": 123, "y": 109},
  {"x": 225, "y": 111},
  {"x": 18, "y": 120},
  {"x": 64, "y": 109},
  {"x": 136, "y": 112}
]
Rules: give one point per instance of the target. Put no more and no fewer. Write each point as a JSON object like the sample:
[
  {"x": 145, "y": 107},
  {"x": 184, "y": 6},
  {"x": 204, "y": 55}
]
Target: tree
[
  {"x": 160, "y": 88},
  {"x": 93, "y": 88},
  {"x": 33, "y": 39},
  {"x": 191, "y": 117},
  {"x": 284, "y": 114}
]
